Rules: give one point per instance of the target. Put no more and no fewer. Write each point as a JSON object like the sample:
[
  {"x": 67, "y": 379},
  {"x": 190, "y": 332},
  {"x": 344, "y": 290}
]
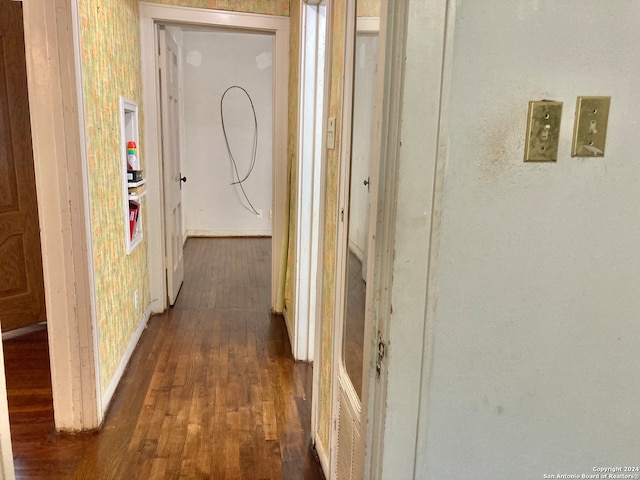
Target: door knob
[{"x": 183, "y": 179}]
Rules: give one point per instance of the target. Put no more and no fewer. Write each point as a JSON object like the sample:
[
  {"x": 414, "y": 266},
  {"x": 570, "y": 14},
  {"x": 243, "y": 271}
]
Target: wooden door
[
  {"x": 169, "y": 98},
  {"x": 21, "y": 278}
]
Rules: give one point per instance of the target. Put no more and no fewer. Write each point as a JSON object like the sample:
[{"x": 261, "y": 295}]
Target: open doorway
[
  {"x": 216, "y": 100},
  {"x": 194, "y": 23},
  {"x": 21, "y": 278},
  {"x": 22, "y": 300}
]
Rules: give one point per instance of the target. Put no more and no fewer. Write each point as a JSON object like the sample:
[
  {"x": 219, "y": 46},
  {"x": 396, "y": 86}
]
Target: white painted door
[
  {"x": 171, "y": 174},
  {"x": 355, "y": 333}
]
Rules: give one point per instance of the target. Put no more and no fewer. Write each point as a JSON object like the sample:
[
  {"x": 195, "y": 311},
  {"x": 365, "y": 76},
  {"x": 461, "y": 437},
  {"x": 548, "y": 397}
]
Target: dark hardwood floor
[
  {"x": 354, "y": 322},
  {"x": 211, "y": 391}
]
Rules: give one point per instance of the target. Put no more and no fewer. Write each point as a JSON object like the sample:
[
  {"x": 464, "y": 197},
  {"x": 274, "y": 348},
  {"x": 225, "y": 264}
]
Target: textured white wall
[
  {"x": 363, "y": 107},
  {"x": 536, "y": 365},
  {"x": 213, "y": 61}
]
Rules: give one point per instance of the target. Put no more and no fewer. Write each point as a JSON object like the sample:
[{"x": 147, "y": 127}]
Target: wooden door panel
[
  {"x": 8, "y": 185},
  {"x": 21, "y": 279},
  {"x": 13, "y": 277}
]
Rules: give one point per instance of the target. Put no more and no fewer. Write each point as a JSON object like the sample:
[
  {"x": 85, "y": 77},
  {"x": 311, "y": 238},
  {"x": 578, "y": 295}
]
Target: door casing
[
  {"x": 152, "y": 14},
  {"x": 59, "y": 150},
  {"x": 314, "y": 41},
  {"x": 419, "y": 44}
]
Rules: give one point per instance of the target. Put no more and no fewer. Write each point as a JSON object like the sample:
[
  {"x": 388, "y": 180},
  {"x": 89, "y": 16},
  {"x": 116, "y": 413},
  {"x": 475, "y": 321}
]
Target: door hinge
[
  {"x": 342, "y": 215},
  {"x": 382, "y": 351}
]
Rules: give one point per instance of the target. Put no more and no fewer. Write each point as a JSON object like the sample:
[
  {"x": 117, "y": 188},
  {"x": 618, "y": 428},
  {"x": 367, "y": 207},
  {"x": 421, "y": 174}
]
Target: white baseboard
[
  {"x": 229, "y": 233},
  {"x": 322, "y": 456},
  {"x": 108, "y": 394}
]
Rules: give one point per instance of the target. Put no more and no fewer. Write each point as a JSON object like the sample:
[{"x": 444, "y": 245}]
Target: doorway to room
[
  {"x": 251, "y": 199},
  {"x": 21, "y": 278},
  {"x": 216, "y": 100}
]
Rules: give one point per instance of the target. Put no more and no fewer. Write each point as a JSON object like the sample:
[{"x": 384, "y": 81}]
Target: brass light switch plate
[
  {"x": 543, "y": 131},
  {"x": 590, "y": 131}
]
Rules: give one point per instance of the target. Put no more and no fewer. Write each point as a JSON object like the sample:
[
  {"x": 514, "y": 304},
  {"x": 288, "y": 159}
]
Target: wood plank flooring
[
  {"x": 354, "y": 322},
  {"x": 211, "y": 392}
]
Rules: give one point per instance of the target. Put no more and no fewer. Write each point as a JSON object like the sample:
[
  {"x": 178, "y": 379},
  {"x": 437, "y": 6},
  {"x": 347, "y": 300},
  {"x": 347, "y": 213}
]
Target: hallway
[{"x": 212, "y": 390}]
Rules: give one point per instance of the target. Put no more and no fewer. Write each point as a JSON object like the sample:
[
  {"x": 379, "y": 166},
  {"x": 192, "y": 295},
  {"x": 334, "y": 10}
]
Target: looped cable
[{"x": 240, "y": 181}]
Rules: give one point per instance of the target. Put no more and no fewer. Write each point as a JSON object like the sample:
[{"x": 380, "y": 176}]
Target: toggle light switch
[
  {"x": 543, "y": 131},
  {"x": 590, "y": 130}
]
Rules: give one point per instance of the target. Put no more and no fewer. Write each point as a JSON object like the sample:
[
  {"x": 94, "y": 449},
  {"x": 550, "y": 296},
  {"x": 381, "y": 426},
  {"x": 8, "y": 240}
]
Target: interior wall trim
[
  {"x": 57, "y": 128},
  {"x": 154, "y": 14}
]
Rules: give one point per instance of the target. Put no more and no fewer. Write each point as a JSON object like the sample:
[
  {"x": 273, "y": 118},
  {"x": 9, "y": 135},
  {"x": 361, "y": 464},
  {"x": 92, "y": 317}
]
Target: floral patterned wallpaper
[
  {"x": 111, "y": 67},
  {"x": 270, "y": 7},
  {"x": 368, "y": 8},
  {"x": 292, "y": 155}
]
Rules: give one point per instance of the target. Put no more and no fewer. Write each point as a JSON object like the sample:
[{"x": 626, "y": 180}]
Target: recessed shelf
[
  {"x": 137, "y": 196},
  {"x": 136, "y": 184},
  {"x": 131, "y": 199}
]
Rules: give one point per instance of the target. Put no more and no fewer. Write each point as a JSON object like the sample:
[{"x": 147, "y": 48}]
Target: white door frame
[
  {"x": 150, "y": 15},
  {"x": 312, "y": 93},
  {"x": 62, "y": 183},
  {"x": 417, "y": 49}
]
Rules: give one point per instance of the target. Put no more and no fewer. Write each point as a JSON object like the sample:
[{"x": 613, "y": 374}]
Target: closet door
[{"x": 355, "y": 333}]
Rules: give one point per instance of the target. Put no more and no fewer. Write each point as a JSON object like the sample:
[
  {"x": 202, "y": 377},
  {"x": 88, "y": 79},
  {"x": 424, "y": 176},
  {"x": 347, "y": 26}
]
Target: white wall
[
  {"x": 532, "y": 364},
  {"x": 363, "y": 107},
  {"x": 214, "y": 61}
]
